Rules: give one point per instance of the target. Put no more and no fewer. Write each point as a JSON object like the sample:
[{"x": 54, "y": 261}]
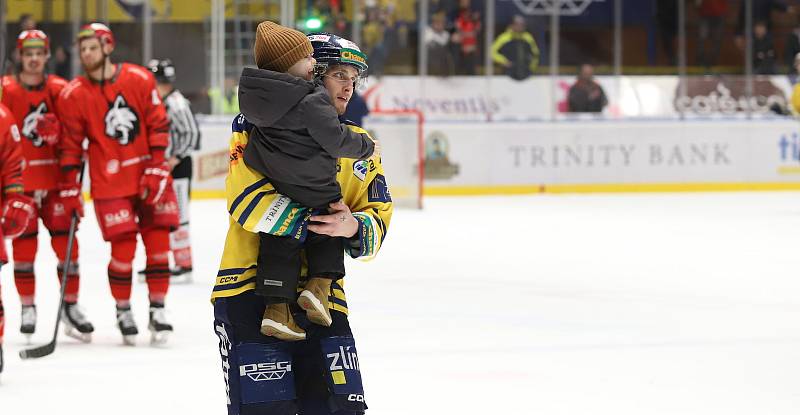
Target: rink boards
[{"x": 473, "y": 157}]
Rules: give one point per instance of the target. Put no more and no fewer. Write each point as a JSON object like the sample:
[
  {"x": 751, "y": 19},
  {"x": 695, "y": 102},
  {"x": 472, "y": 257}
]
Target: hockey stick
[{"x": 49, "y": 348}]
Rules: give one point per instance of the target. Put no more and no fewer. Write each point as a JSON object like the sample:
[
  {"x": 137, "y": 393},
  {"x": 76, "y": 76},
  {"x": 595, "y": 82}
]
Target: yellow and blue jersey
[{"x": 254, "y": 206}]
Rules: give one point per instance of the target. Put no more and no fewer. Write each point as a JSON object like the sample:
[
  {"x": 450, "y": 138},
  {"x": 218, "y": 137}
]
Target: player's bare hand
[
  {"x": 377, "y": 152},
  {"x": 339, "y": 222}
]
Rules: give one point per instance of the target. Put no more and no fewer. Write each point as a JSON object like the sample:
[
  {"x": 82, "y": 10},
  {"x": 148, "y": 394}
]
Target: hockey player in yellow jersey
[{"x": 320, "y": 375}]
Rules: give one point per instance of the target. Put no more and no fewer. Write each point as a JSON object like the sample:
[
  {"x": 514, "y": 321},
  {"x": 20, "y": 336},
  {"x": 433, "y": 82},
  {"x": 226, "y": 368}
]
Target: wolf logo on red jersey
[
  {"x": 30, "y": 121},
  {"x": 121, "y": 121}
]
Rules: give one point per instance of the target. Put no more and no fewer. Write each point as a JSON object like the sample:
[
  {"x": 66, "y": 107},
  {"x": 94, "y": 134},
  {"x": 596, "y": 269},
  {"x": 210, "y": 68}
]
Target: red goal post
[{"x": 401, "y": 135}]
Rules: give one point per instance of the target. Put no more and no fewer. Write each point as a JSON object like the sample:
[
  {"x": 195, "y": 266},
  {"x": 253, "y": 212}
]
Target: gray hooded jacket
[{"x": 297, "y": 136}]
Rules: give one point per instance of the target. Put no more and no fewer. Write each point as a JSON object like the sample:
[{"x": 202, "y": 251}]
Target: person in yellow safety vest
[
  {"x": 794, "y": 102},
  {"x": 225, "y": 101},
  {"x": 516, "y": 50}
]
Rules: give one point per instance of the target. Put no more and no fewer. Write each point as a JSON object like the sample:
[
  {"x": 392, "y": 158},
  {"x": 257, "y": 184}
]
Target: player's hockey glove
[
  {"x": 155, "y": 180},
  {"x": 69, "y": 192},
  {"x": 17, "y": 212},
  {"x": 48, "y": 128}
]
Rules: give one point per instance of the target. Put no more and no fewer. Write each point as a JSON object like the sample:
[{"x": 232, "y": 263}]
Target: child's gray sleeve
[{"x": 334, "y": 137}]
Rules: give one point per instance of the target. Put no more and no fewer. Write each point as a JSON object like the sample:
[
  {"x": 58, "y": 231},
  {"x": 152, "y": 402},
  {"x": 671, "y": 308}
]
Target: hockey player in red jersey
[
  {"x": 17, "y": 209},
  {"x": 117, "y": 107},
  {"x": 31, "y": 95}
]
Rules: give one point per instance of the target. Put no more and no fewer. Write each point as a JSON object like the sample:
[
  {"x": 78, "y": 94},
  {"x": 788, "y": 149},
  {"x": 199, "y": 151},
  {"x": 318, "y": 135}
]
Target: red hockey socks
[
  {"x": 25, "y": 248},
  {"x": 120, "y": 268},
  {"x": 156, "y": 245},
  {"x": 59, "y": 243}
]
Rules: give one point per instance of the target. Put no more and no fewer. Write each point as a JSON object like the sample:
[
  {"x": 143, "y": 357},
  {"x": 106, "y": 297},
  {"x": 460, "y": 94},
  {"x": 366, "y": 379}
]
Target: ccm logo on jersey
[
  {"x": 355, "y": 397},
  {"x": 259, "y": 372},
  {"x": 117, "y": 218}
]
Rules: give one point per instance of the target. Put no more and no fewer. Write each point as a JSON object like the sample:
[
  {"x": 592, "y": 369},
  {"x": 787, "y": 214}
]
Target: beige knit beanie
[{"x": 277, "y": 47}]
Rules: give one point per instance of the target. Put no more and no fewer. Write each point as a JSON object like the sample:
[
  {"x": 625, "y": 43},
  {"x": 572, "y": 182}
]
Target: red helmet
[
  {"x": 33, "y": 39},
  {"x": 97, "y": 30}
]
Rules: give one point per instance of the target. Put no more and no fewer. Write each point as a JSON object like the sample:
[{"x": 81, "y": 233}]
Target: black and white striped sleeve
[{"x": 184, "y": 131}]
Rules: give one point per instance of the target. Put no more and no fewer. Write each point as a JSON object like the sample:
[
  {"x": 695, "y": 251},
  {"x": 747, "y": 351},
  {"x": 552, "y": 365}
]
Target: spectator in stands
[
  {"x": 63, "y": 65},
  {"x": 227, "y": 100},
  {"x": 764, "y": 55},
  {"x": 437, "y": 40},
  {"x": 373, "y": 40},
  {"x": 762, "y": 12},
  {"x": 26, "y": 22},
  {"x": 711, "y": 27},
  {"x": 794, "y": 103},
  {"x": 516, "y": 50},
  {"x": 667, "y": 22},
  {"x": 586, "y": 95},
  {"x": 467, "y": 27},
  {"x": 791, "y": 49}
]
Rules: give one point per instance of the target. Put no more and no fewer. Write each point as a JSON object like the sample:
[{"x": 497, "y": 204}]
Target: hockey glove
[
  {"x": 154, "y": 182},
  {"x": 17, "y": 212},
  {"x": 69, "y": 192},
  {"x": 48, "y": 128}
]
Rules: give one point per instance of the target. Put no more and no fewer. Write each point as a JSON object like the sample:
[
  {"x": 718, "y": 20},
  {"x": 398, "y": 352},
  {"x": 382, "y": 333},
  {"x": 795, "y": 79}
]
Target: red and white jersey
[
  {"x": 10, "y": 163},
  {"x": 28, "y": 104},
  {"x": 124, "y": 119}
]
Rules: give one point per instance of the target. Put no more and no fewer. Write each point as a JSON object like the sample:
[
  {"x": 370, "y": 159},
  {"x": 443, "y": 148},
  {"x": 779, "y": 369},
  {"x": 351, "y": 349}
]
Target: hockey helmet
[
  {"x": 330, "y": 49},
  {"x": 33, "y": 39},
  {"x": 163, "y": 70},
  {"x": 97, "y": 30}
]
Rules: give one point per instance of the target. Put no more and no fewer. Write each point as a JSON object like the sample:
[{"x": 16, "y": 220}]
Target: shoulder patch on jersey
[
  {"x": 15, "y": 133},
  {"x": 379, "y": 190},
  {"x": 360, "y": 169},
  {"x": 71, "y": 86},
  {"x": 240, "y": 124},
  {"x": 57, "y": 80},
  {"x": 139, "y": 71}
]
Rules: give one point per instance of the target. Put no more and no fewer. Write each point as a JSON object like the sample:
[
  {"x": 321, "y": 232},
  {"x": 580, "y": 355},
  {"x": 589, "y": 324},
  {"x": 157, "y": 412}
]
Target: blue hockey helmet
[{"x": 330, "y": 49}]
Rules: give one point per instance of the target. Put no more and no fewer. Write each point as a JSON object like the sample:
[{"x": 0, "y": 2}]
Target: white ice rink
[{"x": 607, "y": 304}]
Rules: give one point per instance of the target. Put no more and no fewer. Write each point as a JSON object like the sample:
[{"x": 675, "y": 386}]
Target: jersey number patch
[{"x": 122, "y": 123}]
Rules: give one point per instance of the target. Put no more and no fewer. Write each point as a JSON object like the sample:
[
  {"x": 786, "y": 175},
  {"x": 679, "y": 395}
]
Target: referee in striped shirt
[{"x": 184, "y": 137}]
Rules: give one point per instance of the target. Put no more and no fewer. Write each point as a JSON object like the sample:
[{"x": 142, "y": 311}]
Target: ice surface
[{"x": 603, "y": 304}]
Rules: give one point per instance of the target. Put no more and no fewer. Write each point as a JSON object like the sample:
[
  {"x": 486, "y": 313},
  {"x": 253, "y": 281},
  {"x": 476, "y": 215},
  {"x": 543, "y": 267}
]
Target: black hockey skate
[
  {"x": 159, "y": 328},
  {"x": 75, "y": 323},
  {"x": 180, "y": 275},
  {"x": 127, "y": 326},
  {"x": 27, "y": 319}
]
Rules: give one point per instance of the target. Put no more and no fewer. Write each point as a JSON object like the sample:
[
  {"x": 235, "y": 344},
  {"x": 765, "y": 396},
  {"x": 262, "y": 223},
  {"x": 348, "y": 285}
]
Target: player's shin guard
[
  {"x": 258, "y": 372},
  {"x": 120, "y": 268},
  {"x": 181, "y": 251},
  {"x": 73, "y": 281},
  {"x": 180, "y": 242},
  {"x": 25, "y": 248},
  {"x": 25, "y": 281},
  {"x": 59, "y": 243},
  {"x": 2, "y": 326},
  {"x": 343, "y": 374},
  {"x": 156, "y": 245}
]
